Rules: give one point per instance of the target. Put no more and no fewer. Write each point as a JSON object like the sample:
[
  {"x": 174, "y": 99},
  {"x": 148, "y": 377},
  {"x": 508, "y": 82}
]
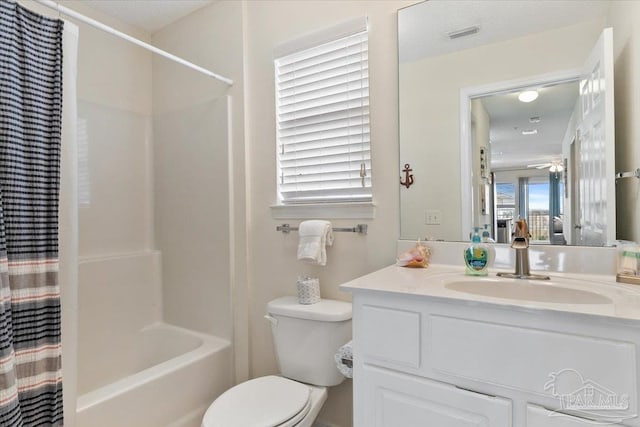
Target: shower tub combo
[{"x": 138, "y": 371}]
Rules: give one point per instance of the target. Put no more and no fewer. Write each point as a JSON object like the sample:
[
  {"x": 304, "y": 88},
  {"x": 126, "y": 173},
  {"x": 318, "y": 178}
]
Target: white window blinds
[{"x": 322, "y": 107}]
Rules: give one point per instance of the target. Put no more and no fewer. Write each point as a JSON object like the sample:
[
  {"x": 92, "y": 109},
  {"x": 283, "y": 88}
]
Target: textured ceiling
[
  {"x": 509, "y": 117},
  {"x": 150, "y": 15}
]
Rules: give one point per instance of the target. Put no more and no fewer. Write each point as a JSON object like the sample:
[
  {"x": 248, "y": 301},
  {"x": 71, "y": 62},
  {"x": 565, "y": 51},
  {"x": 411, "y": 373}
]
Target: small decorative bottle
[
  {"x": 487, "y": 240},
  {"x": 476, "y": 256}
]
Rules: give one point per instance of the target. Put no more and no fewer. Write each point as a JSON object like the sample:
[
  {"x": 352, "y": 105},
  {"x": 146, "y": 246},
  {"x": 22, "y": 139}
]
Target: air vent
[{"x": 463, "y": 32}]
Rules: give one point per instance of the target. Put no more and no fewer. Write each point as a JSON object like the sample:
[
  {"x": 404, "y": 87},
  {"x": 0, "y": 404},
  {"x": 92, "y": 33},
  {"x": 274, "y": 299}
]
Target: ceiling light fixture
[
  {"x": 528, "y": 95},
  {"x": 530, "y": 132},
  {"x": 556, "y": 166}
]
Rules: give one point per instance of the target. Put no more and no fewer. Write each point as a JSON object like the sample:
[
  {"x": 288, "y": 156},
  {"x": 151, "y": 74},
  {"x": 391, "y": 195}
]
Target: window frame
[{"x": 361, "y": 205}]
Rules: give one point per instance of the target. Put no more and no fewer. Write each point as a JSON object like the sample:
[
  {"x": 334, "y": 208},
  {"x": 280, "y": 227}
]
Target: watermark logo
[{"x": 589, "y": 398}]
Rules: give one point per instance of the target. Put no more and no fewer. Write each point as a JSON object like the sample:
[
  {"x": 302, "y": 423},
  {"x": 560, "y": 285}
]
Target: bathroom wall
[
  {"x": 273, "y": 266},
  {"x": 441, "y": 79},
  {"x": 194, "y": 163},
  {"x": 623, "y": 17},
  {"x": 105, "y": 63},
  {"x": 114, "y": 106}
]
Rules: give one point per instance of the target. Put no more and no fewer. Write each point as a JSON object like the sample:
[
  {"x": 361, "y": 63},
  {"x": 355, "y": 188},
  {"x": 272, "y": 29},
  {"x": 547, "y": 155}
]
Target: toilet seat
[
  {"x": 269, "y": 401},
  {"x": 293, "y": 422}
]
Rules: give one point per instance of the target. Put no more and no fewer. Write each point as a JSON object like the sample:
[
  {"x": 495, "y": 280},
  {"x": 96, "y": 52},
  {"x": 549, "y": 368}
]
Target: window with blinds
[{"x": 322, "y": 113}]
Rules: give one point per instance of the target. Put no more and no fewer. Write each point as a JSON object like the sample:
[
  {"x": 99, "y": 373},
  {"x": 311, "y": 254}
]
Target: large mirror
[{"x": 506, "y": 112}]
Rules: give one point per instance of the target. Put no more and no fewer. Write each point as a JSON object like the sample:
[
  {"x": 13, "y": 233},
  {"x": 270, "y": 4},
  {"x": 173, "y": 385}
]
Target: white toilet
[{"x": 306, "y": 337}]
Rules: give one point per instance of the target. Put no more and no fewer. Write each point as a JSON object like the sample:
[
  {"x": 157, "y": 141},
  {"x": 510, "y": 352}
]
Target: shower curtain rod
[{"x": 99, "y": 25}]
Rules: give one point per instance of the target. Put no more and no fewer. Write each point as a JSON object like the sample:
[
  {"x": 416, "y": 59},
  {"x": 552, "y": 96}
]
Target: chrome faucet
[{"x": 521, "y": 244}]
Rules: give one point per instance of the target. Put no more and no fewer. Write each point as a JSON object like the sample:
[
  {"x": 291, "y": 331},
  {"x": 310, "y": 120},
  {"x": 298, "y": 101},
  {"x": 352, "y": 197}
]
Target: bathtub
[{"x": 168, "y": 377}]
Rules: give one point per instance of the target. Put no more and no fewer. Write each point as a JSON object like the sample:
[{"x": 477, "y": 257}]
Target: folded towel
[{"x": 315, "y": 236}]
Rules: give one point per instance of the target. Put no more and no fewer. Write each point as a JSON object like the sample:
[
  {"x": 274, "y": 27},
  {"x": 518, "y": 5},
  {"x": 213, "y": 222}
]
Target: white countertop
[{"x": 431, "y": 283}]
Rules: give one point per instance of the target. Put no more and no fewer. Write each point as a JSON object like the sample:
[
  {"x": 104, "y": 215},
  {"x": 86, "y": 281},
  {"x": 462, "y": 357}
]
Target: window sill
[{"x": 325, "y": 211}]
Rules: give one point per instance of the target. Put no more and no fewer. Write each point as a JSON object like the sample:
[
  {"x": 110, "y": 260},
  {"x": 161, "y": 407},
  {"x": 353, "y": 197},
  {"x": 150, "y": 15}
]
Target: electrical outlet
[{"x": 432, "y": 217}]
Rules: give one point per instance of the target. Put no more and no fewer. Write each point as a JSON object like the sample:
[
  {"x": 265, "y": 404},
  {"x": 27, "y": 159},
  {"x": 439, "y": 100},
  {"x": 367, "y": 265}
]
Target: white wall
[
  {"x": 430, "y": 111},
  {"x": 623, "y": 17}
]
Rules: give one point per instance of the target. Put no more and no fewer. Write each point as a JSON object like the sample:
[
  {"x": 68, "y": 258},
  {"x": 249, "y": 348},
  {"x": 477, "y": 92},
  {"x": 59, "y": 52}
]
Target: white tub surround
[
  {"x": 134, "y": 369},
  {"x": 436, "y": 346},
  {"x": 172, "y": 374},
  {"x": 118, "y": 296}
]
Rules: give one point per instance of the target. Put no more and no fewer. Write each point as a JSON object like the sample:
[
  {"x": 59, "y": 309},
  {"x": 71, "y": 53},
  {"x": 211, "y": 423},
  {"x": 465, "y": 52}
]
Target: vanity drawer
[
  {"x": 541, "y": 417},
  {"x": 535, "y": 361},
  {"x": 392, "y": 399}
]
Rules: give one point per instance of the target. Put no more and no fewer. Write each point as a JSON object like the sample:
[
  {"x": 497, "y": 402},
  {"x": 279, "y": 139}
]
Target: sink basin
[{"x": 549, "y": 292}]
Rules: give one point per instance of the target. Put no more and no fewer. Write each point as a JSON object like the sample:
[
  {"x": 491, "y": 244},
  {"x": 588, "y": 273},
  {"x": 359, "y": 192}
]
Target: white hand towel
[{"x": 315, "y": 236}]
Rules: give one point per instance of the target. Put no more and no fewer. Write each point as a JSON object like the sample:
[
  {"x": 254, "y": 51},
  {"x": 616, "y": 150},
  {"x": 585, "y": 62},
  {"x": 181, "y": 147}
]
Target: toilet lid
[{"x": 262, "y": 402}]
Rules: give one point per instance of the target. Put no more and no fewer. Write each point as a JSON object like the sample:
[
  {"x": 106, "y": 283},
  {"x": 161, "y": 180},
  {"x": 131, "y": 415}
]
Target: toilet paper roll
[
  {"x": 308, "y": 290},
  {"x": 344, "y": 360}
]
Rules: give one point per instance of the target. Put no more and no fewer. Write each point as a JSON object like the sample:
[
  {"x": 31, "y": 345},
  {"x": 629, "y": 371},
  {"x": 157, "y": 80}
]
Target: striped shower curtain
[{"x": 30, "y": 133}]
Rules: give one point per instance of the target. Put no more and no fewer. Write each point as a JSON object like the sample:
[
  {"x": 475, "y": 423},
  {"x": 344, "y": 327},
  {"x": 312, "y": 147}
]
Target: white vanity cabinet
[
  {"x": 389, "y": 390},
  {"x": 393, "y": 399},
  {"x": 423, "y": 360}
]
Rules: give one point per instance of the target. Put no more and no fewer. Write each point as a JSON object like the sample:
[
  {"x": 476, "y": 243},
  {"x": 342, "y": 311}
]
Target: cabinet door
[
  {"x": 541, "y": 417},
  {"x": 391, "y": 399}
]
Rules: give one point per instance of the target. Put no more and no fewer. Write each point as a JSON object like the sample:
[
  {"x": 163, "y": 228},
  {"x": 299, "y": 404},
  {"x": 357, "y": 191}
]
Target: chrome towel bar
[
  {"x": 632, "y": 174},
  {"x": 359, "y": 228}
]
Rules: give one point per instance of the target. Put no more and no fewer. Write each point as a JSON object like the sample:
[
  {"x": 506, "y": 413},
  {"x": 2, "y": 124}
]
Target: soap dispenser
[{"x": 476, "y": 256}]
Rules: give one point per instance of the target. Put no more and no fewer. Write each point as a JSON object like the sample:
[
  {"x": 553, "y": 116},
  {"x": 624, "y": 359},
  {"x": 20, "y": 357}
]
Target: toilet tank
[{"x": 306, "y": 337}]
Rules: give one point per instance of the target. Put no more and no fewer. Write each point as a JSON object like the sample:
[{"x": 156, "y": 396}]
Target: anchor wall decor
[{"x": 408, "y": 177}]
